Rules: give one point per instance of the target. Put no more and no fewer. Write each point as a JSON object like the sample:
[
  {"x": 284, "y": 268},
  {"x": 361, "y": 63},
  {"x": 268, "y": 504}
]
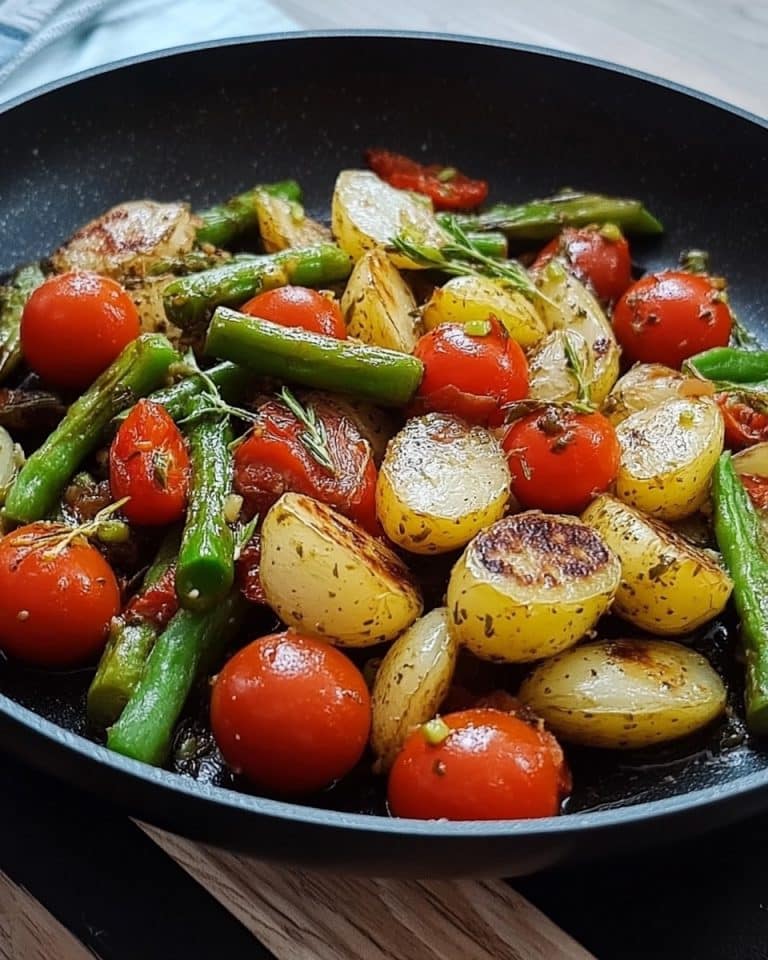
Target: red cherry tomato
[
  {"x": 299, "y": 307},
  {"x": 595, "y": 257},
  {"x": 472, "y": 376},
  {"x": 148, "y": 462},
  {"x": 273, "y": 459},
  {"x": 757, "y": 488},
  {"x": 155, "y": 604},
  {"x": 560, "y": 459},
  {"x": 448, "y": 188},
  {"x": 74, "y": 325},
  {"x": 668, "y": 317},
  {"x": 490, "y": 766},
  {"x": 57, "y": 598},
  {"x": 745, "y": 425},
  {"x": 291, "y": 713},
  {"x": 248, "y": 571}
]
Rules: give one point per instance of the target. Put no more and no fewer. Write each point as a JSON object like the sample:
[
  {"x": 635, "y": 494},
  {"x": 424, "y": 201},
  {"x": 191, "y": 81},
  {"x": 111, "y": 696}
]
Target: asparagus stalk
[
  {"x": 491, "y": 244},
  {"x": 189, "y": 301},
  {"x": 226, "y": 221},
  {"x": 12, "y": 302},
  {"x": 386, "y": 377},
  {"x": 140, "y": 369}
]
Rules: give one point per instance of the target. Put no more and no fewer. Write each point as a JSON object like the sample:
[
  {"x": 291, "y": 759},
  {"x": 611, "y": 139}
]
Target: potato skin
[
  {"x": 644, "y": 385},
  {"x": 668, "y": 454},
  {"x": 668, "y": 586},
  {"x": 441, "y": 482},
  {"x": 327, "y": 577},
  {"x": 623, "y": 694},
  {"x": 378, "y": 305},
  {"x": 411, "y": 683},
  {"x": 529, "y": 586}
]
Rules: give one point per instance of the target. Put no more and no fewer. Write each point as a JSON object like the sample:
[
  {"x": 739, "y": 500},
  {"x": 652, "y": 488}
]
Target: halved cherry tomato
[
  {"x": 560, "y": 459},
  {"x": 670, "y": 316},
  {"x": 757, "y": 488},
  {"x": 273, "y": 459},
  {"x": 247, "y": 571},
  {"x": 490, "y": 765},
  {"x": 148, "y": 462},
  {"x": 595, "y": 256},
  {"x": 74, "y": 325},
  {"x": 472, "y": 375},
  {"x": 155, "y": 604},
  {"x": 57, "y": 596},
  {"x": 448, "y": 188},
  {"x": 745, "y": 425},
  {"x": 291, "y": 713},
  {"x": 299, "y": 307}
]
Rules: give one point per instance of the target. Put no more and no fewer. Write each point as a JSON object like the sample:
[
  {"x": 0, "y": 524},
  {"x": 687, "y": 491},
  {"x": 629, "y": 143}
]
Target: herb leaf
[{"x": 313, "y": 436}]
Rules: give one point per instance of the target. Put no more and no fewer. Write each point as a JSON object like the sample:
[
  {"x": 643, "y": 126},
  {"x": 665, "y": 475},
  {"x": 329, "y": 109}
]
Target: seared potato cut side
[
  {"x": 668, "y": 586},
  {"x": 440, "y": 483},
  {"x": 411, "y": 683},
  {"x": 668, "y": 453},
  {"x": 466, "y": 299},
  {"x": 366, "y": 213},
  {"x": 283, "y": 224},
  {"x": 625, "y": 693},
  {"x": 643, "y": 386},
  {"x": 550, "y": 374},
  {"x": 378, "y": 305},
  {"x": 530, "y": 586},
  {"x": 325, "y": 576}
]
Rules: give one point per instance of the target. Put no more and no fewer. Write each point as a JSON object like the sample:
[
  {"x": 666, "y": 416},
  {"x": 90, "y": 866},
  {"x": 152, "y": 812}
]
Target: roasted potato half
[
  {"x": 530, "y": 586},
  {"x": 366, "y": 213},
  {"x": 465, "y": 299},
  {"x": 643, "y": 386},
  {"x": 325, "y": 576},
  {"x": 550, "y": 374},
  {"x": 411, "y": 683},
  {"x": 668, "y": 586},
  {"x": 283, "y": 224},
  {"x": 441, "y": 481},
  {"x": 668, "y": 453},
  {"x": 378, "y": 305},
  {"x": 625, "y": 693}
]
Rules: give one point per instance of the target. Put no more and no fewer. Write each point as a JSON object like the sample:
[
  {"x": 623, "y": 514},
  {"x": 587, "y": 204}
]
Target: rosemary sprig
[
  {"x": 214, "y": 402},
  {"x": 314, "y": 437},
  {"x": 584, "y": 393}
]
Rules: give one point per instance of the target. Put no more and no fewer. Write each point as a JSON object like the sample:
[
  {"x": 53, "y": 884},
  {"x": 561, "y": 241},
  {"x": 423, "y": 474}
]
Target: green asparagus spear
[
  {"x": 491, "y": 244},
  {"x": 205, "y": 569},
  {"x": 544, "y": 219},
  {"x": 386, "y": 377},
  {"x": 12, "y": 301},
  {"x": 189, "y": 301},
  {"x": 131, "y": 638},
  {"x": 190, "y": 645},
  {"x": 224, "y": 222},
  {"x": 140, "y": 369}
]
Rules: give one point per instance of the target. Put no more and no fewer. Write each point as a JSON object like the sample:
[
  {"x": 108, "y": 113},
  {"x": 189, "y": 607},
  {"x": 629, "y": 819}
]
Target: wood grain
[
  {"x": 306, "y": 916},
  {"x": 29, "y": 932}
]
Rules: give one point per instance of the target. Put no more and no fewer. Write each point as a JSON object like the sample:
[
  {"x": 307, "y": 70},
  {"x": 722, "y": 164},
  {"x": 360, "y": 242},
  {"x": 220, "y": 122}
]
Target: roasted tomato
[
  {"x": 745, "y": 422},
  {"x": 299, "y": 307},
  {"x": 447, "y": 187},
  {"x": 597, "y": 256}
]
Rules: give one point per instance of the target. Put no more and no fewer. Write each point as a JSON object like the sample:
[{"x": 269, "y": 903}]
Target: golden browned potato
[
  {"x": 625, "y": 693},
  {"x": 325, "y": 576},
  {"x": 668, "y": 586},
  {"x": 411, "y": 683},
  {"x": 378, "y": 305},
  {"x": 668, "y": 453},
  {"x": 550, "y": 373},
  {"x": 644, "y": 385},
  {"x": 530, "y": 586},
  {"x": 283, "y": 224},
  {"x": 441, "y": 482}
]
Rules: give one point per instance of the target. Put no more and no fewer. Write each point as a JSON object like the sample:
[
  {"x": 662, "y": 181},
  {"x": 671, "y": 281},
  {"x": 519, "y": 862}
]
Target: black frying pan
[{"x": 202, "y": 123}]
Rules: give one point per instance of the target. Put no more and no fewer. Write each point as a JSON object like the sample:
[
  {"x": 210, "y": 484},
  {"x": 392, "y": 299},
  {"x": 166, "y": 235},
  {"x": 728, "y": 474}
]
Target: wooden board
[{"x": 29, "y": 932}]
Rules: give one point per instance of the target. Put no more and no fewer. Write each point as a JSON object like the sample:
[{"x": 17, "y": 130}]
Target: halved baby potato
[
  {"x": 550, "y": 374},
  {"x": 668, "y": 454},
  {"x": 441, "y": 481},
  {"x": 623, "y": 694},
  {"x": 378, "y": 305},
  {"x": 643, "y": 386},
  {"x": 531, "y": 585},
  {"x": 411, "y": 683},
  {"x": 283, "y": 224},
  {"x": 366, "y": 213},
  {"x": 325, "y": 576},
  {"x": 466, "y": 299},
  {"x": 668, "y": 586}
]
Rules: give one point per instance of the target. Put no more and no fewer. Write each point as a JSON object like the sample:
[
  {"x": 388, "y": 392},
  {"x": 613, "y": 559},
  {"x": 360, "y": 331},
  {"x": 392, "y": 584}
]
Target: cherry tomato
[
  {"x": 57, "y": 598},
  {"x": 74, "y": 325},
  {"x": 248, "y": 571},
  {"x": 291, "y": 713},
  {"x": 757, "y": 488},
  {"x": 273, "y": 459},
  {"x": 744, "y": 424},
  {"x": 489, "y": 766},
  {"x": 470, "y": 375},
  {"x": 594, "y": 256},
  {"x": 448, "y": 188},
  {"x": 155, "y": 604},
  {"x": 299, "y": 307},
  {"x": 561, "y": 459},
  {"x": 148, "y": 462},
  {"x": 670, "y": 316}
]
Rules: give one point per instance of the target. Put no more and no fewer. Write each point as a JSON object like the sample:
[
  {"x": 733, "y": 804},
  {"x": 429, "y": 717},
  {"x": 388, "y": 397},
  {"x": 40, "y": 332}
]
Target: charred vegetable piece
[
  {"x": 24, "y": 409},
  {"x": 13, "y": 297},
  {"x": 223, "y": 223},
  {"x": 140, "y": 368}
]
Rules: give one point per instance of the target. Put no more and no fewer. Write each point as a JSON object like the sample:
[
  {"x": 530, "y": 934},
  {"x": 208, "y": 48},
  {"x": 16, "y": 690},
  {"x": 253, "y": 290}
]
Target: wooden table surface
[{"x": 76, "y": 876}]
